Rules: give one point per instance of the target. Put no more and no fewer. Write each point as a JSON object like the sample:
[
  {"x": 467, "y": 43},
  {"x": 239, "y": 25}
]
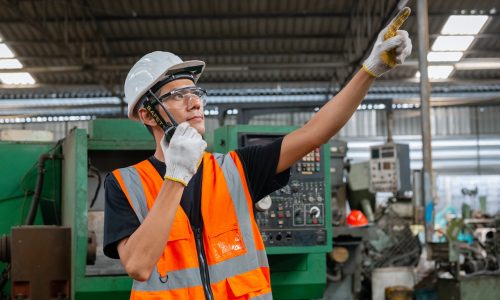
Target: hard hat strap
[{"x": 149, "y": 105}]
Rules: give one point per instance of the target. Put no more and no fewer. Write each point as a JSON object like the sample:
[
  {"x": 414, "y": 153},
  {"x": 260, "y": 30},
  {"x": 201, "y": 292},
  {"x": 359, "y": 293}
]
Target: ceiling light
[
  {"x": 10, "y": 63},
  {"x": 452, "y": 43},
  {"x": 444, "y": 56},
  {"x": 464, "y": 24},
  {"x": 482, "y": 64},
  {"x": 17, "y": 78},
  {"x": 5, "y": 52},
  {"x": 437, "y": 72}
]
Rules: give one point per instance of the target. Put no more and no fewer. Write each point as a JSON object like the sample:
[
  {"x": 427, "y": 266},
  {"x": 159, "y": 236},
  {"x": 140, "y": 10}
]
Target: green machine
[
  {"x": 110, "y": 144},
  {"x": 295, "y": 221},
  {"x": 69, "y": 262},
  {"x": 18, "y": 178}
]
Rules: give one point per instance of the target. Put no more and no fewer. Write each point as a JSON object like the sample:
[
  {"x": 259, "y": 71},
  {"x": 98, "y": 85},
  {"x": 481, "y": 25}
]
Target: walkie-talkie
[{"x": 168, "y": 127}]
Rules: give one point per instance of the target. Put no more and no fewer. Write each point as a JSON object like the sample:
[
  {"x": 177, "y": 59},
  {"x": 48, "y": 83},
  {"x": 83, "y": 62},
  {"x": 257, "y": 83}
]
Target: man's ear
[{"x": 146, "y": 117}]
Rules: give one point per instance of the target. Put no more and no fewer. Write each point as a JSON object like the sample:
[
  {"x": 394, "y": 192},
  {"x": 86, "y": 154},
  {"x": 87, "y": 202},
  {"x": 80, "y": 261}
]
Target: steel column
[{"x": 425, "y": 90}]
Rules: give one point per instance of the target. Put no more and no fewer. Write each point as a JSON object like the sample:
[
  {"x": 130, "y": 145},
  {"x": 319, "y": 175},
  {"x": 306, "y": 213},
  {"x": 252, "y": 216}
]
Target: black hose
[
  {"x": 30, "y": 219},
  {"x": 99, "y": 182}
]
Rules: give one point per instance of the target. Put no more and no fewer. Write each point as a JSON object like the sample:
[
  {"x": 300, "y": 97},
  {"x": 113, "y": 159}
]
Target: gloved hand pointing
[
  {"x": 183, "y": 154},
  {"x": 391, "y": 48}
]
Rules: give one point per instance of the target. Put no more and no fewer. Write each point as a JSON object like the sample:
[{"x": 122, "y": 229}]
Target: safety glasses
[{"x": 184, "y": 96}]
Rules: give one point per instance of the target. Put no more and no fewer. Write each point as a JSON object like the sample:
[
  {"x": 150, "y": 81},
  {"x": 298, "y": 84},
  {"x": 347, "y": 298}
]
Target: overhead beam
[
  {"x": 234, "y": 55},
  {"x": 464, "y": 64},
  {"x": 210, "y": 68},
  {"x": 191, "y": 17},
  {"x": 486, "y": 63},
  {"x": 103, "y": 42},
  {"x": 218, "y": 16},
  {"x": 184, "y": 38},
  {"x": 52, "y": 88}
]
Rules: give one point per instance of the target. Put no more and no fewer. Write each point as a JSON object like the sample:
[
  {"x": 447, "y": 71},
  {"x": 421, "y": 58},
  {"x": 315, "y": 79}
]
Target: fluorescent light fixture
[
  {"x": 10, "y": 63},
  {"x": 452, "y": 43},
  {"x": 5, "y": 51},
  {"x": 17, "y": 78},
  {"x": 457, "y": 24},
  {"x": 437, "y": 72},
  {"x": 444, "y": 56},
  {"x": 489, "y": 64}
]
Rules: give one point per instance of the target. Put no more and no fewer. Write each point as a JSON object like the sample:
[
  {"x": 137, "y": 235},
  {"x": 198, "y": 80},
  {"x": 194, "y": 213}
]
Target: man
[{"x": 209, "y": 246}]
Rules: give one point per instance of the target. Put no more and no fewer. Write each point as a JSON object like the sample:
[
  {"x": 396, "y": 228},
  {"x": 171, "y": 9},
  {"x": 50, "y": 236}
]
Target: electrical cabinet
[{"x": 390, "y": 168}]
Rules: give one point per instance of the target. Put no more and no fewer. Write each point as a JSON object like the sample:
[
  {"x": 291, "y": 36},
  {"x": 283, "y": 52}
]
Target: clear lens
[{"x": 185, "y": 95}]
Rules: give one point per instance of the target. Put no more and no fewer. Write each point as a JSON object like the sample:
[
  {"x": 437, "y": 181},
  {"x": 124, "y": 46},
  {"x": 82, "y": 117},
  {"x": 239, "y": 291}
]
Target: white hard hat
[{"x": 152, "y": 68}]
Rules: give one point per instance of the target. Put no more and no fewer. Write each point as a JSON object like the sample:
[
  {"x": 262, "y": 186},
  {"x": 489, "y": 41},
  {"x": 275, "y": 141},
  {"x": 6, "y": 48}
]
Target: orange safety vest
[{"x": 235, "y": 254}]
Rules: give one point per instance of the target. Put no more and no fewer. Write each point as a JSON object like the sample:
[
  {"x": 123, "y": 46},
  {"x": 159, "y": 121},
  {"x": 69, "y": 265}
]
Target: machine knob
[
  {"x": 315, "y": 212},
  {"x": 264, "y": 203},
  {"x": 321, "y": 238}
]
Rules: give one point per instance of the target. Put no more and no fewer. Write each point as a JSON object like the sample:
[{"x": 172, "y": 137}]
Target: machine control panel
[
  {"x": 295, "y": 214},
  {"x": 390, "y": 168}
]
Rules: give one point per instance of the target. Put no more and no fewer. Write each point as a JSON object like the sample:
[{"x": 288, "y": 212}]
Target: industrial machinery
[
  {"x": 387, "y": 240},
  {"x": 21, "y": 182},
  {"x": 345, "y": 261},
  {"x": 295, "y": 220},
  {"x": 71, "y": 200},
  {"x": 338, "y": 150},
  {"x": 390, "y": 168},
  {"x": 469, "y": 270}
]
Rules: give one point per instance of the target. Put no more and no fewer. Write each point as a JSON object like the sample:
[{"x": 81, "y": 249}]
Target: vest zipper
[{"x": 205, "y": 278}]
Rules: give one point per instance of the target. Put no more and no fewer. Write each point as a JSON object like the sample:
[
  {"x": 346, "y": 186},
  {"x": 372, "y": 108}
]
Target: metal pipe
[
  {"x": 425, "y": 90},
  {"x": 390, "y": 123},
  {"x": 417, "y": 197},
  {"x": 30, "y": 219}
]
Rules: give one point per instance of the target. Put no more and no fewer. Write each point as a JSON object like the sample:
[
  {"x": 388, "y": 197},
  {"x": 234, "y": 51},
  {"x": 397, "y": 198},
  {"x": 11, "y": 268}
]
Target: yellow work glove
[
  {"x": 391, "y": 48},
  {"x": 183, "y": 154}
]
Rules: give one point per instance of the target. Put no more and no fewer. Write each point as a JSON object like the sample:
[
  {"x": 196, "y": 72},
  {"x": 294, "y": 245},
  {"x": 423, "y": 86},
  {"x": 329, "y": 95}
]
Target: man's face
[{"x": 188, "y": 110}]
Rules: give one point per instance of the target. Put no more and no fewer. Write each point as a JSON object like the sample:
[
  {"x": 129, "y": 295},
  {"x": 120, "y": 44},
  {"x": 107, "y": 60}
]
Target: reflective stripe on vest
[
  {"x": 133, "y": 183},
  {"x": 179, "y": 279},
  {"x": 267, "y": 296},
  {"x": 186, "y": 278},
  {"x": 252, "y": 259}
]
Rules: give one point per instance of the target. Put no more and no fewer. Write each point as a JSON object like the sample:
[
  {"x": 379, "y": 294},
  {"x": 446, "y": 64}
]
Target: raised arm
[{"x": 385, "y": 55}]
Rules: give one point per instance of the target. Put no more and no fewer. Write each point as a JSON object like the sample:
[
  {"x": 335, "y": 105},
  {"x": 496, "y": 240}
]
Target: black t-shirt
[{"x": 259, "y": 162}]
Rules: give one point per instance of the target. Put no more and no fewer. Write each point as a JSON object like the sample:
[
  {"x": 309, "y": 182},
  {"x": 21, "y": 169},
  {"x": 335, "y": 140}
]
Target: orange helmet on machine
[{"x": 357, "y": 218}]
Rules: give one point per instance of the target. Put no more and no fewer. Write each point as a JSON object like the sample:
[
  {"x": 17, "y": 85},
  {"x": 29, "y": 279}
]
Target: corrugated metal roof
[{"x": 255, "y": 43}]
